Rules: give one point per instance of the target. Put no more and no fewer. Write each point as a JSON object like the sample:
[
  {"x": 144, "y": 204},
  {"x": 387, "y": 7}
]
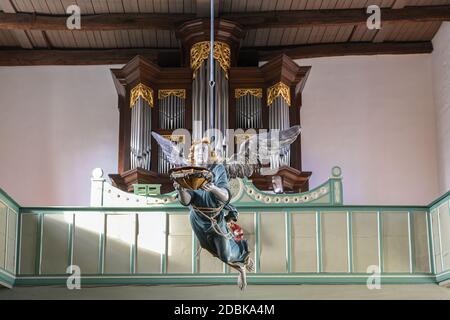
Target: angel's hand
[
  {"x": 176, "y": 186},
  {"x": 208, "y": 186},
  {"x": 183, "y": 195},
  {"x": 220, "y": 193}
]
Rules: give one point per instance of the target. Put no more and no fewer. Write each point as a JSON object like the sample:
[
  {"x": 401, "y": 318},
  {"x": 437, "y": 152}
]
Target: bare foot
[
  {"x": 250, "y": 266},
  {"x": 242, "y": 278}
]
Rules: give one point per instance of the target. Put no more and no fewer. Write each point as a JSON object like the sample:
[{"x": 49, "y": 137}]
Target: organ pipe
[
  {"x": 201, "y": 93},
  {"x": 278, "y": 101},
  {"x": 248, "y": 108},
  {"x": 140, "y": 144},
  {"x": 172, "y": 110}
]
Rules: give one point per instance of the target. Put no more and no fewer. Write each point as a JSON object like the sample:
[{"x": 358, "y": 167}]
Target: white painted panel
[
  {"x": 11, "y": 242},
  {"x": 55, "y": 244},
  {"x": 395, "y": 241},
  {"x": 151, "y": 240},
  {"x": 28, "y": 243},
  {"x": 179, "y": 224},
  {"x": 420, "y": 242},
  {"x": 119, "y": 237},
  {"x": 436, "y": 242},
  {"x": 180, "y": 244},
  {"x": 334, "y": 241},
  {"x": 208, "y": 263},
  {"x": 273, "y": 242},
  {"x": 304, "y": 244},
  {"x": 86, "y": 249},
  {"x": 365, "y": 240}
]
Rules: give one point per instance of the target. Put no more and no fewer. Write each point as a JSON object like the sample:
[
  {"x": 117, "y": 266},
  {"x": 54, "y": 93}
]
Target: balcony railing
[{"x": 291, "y": 244}]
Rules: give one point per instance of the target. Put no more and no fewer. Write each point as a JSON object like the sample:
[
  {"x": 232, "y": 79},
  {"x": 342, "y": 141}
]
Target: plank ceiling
[{"x": 407, "y": 31}]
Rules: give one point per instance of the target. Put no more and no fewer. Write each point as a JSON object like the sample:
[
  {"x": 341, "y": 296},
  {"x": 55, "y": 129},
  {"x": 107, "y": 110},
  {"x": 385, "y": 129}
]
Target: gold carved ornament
[
  {"x": 200, "y": 52},
  {"x": 279, "y": 89},
  {"x": 257, "y": 92},
  {"x": 164, "y": 93},
  {"x": 141, "y": 90}
]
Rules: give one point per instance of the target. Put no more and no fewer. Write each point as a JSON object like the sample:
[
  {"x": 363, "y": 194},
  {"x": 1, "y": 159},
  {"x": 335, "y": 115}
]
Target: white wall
[
  {"x": 373, "y": 116},
  {"x": 441, "y": 85},
  {"x": 56, "y": 125}
]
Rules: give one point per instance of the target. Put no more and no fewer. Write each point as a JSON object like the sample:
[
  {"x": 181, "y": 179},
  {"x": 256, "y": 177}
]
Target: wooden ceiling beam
[
  {"x": 249, "y": 20},
  {"x": 94, "y": 22},
  {"x": 343, "y": 49},
  {"x": 18, "y": 57},
  {"x": 306, "y": 18}
]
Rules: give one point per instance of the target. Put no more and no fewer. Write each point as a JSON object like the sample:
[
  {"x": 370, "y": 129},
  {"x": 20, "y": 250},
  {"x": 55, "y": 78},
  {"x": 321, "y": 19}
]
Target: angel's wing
[
  {"x": 170, "y": 150},
  {"x": 271, "y": 143},
  {"x": 259, "y": 149}
]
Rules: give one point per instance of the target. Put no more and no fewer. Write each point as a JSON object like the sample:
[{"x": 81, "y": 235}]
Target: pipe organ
[{"x": 246, "y": 97}]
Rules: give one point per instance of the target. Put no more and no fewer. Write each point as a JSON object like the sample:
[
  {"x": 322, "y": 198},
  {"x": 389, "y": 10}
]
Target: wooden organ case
[{"x": 166, "y": 99}]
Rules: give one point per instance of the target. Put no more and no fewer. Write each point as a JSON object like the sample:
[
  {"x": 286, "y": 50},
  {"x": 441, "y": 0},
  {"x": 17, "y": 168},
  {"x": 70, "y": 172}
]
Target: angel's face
[{"x": 201, "y": 154}]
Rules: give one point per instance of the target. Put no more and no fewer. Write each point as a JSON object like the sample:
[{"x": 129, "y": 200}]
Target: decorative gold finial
[
  {"x": 141, "y": 90},
  {"x": 279, "y": 89},
  {"x": 200, "y": 51}
]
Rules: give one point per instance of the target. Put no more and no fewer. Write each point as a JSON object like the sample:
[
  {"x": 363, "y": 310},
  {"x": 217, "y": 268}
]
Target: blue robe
[{"x": 228, "y": 250}]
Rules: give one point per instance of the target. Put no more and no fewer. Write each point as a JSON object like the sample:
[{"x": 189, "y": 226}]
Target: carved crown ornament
[
  {"x": 257, "y": 92},
  {"x": 164, "y": 93},
  {"x": 200, "y": 52},
  {"x": 279, "y": 89},
  {"x": 141, "y": 90}
]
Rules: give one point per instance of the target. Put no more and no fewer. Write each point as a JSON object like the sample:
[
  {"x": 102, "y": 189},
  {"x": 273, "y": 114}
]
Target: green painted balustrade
[{"x": 291, "y": 244}]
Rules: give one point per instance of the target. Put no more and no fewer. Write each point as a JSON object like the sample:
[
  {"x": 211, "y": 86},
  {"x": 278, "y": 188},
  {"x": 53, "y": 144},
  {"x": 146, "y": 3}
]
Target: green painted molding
[
  {"x": 7, "y": 278},
  {"x": 8, "y": 200},
  {"x": 243, "y": 207},
  {"x": 440, "y": 200},
  {"x": 217, "y": 279},
  {"x": 443, "y": 276},
  {"x": 323, "y": 194}
]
